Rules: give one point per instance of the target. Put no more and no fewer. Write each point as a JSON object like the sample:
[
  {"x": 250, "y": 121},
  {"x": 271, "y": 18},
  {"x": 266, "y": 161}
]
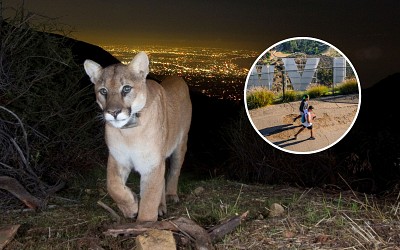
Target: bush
[
  {"x": 47, "y": 120},
  {"x": 348, "y": 87},
  {"x": 290, "y": 96},
  {"x": 325, "y": 76},
  {"x": 317, "y": 91},
  {"x": 259, "y": 97}
]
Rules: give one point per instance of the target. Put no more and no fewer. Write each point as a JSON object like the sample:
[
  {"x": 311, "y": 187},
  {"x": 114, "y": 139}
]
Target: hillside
[
  {"x": 327, "y": 197},
  {"x": 312, "y": 218},
  {"x": 375, "y": 137},
  {"x": 214, "y": 147}
]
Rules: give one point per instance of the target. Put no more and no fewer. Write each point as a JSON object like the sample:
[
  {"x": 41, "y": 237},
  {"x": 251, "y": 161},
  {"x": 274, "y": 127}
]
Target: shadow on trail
[
  {"x": 289, "y": 142},
  {"x": 277, "y": 129},
  {"x": 338, "y": 99}
]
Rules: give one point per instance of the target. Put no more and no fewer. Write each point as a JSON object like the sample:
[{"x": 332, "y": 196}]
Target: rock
[
  {"x": 288, "y": 234},
  {"x": 276, "y": 210},
  {"x": 7, "y": 233},
  {"x": 198, "y": 190},
  {"x": 156, "y": 240}
]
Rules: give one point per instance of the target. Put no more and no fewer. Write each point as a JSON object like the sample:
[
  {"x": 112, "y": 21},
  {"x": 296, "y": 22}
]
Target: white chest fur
[{"x": 140, "y": 155}]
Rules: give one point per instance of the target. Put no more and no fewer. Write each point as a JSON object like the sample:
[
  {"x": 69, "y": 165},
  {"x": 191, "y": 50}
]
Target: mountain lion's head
[{"x": 120, "y": 89}]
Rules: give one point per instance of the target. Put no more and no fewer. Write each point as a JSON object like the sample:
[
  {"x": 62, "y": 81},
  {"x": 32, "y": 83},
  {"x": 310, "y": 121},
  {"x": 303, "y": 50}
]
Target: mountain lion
[{"x": 145, "y": 123}]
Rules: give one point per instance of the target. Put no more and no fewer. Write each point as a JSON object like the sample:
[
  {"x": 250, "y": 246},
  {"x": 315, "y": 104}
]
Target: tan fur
[{"x": 142, "y": 143}]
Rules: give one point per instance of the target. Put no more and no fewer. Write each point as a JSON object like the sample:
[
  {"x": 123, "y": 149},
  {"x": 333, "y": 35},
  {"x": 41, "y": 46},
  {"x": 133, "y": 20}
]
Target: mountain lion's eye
[
  {"x": 103, "y": 91},
  {"x": 126, "y": 89}
]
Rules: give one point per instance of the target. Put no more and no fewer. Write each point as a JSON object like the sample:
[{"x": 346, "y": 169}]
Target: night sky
[{"x": 367, "y": 32}]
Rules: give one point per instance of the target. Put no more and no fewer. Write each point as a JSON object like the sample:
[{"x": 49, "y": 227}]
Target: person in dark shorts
[
  {"x": 303, "y": 107},
  {"x": 306, "y": 122}
]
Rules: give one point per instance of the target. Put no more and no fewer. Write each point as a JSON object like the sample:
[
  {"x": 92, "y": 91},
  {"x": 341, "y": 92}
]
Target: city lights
[{"x": 215, "y": 72}]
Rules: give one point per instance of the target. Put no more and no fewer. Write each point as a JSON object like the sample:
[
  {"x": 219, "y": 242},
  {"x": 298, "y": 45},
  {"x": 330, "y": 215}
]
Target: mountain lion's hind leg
[
  {"x": 126, "y": 200},
  {"x": 174, "y": 171}
]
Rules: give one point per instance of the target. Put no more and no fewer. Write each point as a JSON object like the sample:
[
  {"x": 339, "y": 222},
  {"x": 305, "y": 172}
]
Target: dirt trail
[{"x": 334, "y": 114}]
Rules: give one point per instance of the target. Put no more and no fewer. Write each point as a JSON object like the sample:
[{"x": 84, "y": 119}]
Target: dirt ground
[
  {"x": 334, "y": 117},
  {"x": 312, "y": 218}
]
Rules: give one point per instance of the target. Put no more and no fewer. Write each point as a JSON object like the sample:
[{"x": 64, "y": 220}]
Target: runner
[
  {"x": 307, "y": 119},
  {"x": 303, "y": 107}
]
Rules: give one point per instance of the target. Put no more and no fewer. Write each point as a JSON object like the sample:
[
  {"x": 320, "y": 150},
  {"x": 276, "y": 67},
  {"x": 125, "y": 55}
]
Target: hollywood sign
[{"x": 263, "y": 75}]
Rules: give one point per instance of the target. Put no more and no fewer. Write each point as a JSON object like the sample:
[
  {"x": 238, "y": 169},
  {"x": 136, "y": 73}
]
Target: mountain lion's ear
[
  {"x": 92, "y": 69},
  {"x": 140, "y": 64}
]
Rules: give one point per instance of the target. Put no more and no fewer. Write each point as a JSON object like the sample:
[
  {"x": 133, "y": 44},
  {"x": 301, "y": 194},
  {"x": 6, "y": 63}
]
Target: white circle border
[{"x": 305, "y": 152}]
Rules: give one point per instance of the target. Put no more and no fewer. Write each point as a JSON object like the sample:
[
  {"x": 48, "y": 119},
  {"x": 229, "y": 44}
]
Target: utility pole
[{"x": 283, "y": 84}]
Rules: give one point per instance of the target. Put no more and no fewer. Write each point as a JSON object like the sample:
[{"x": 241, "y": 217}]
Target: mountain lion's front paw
[
  {"x": 130, "y": 210},
  {"x": 162, "y": 210}
]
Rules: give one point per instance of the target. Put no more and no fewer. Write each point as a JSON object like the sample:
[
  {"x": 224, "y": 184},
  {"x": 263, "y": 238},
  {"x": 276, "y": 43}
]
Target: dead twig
[
  {"x": 225, "y": 227},
  {"x": 110, "y": 210}
]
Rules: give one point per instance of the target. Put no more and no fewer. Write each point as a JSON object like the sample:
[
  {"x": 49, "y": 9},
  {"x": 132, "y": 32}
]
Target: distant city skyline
[
  {"x": 220, "y": 73},
  {"x": 367, "y": 32},
  {"x": 190, "y": 60}
]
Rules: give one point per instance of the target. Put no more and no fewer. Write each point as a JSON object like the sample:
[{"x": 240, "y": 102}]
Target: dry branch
[
  {"x": 198, "y": 235},
  {"x": 225, "y": 227},
  {"x": 16, "y": 189},
  {"x": 187, "y": 227},
  {"x": 57, "y": 187},
  {"x": 110, "y": 210},
  {"x": 137, "y": 228}
]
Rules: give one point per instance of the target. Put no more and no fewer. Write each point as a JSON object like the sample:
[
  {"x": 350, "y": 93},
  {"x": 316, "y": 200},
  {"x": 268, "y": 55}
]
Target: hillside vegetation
[
  {"x": 47, "y": 118},
  {"x": 52, "y": 143},
  {"x": 307, "y": 46}
]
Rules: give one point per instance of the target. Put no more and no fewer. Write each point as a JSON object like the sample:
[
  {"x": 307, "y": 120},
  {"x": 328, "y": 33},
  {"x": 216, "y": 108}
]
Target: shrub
[
  {"x": 325, "y": 76},
  {"x": 290, "y": 96},
  {"x": 317, "y": 91},
  {"x": 47, "y": 121},
  {"x": 259, "y": 97},
  {"x": 350, "y": 86}
]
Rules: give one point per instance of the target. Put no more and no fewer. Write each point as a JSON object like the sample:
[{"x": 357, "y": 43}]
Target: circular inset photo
[{"x": 302, "y": 95}]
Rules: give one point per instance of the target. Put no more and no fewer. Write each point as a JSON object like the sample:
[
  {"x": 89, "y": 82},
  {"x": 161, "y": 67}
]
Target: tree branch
[
  {"x": 110, "y": 210},
  {"x": 196, "y": 234},
  {"x": 16, "y": 189}
]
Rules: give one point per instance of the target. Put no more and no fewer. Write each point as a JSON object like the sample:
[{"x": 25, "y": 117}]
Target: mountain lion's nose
[{"x": 114, "y": 113}]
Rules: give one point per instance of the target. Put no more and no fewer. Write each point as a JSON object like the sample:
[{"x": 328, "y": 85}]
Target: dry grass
[
  {"x": 318, "y": 220},
  {"x": 259, "y": 97},
  {"x": 313, "y": 219}
]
